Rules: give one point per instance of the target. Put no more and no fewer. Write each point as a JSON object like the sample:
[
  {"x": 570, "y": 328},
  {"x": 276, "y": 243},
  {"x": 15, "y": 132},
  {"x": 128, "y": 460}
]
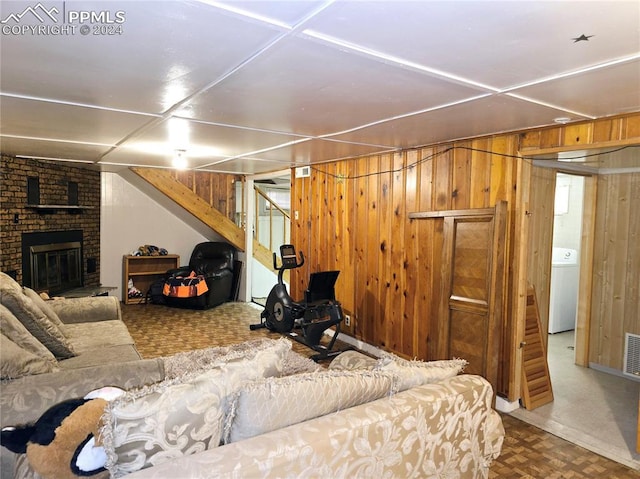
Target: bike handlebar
[{"x": 289, "y": 263}]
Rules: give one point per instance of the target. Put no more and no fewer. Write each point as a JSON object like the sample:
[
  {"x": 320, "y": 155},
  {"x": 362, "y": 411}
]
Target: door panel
[
  {"x": 471, "y": 262},
  {"x": 472, "y": 300},
  {"x": 467, "y": 338}
]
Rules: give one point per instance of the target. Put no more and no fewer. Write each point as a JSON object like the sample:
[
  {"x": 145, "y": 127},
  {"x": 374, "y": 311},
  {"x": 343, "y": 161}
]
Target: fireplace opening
[
  {"x": 52, "y": 261},
  {"x": 56, "y": 267}
]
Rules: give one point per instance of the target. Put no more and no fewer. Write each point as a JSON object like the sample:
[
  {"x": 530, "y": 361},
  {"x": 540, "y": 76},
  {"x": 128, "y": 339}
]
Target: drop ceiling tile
[
  {"x": 498, "y": 43},
  {"x": 602, "y": 92},
  {"x": 126, "y": 157},
  {"x": 306, "y": 87},
  {"x": 165, "y": 52},
  {"x": 248, "y": 166},
  {"x": 204, "y": 141},
  {"x": 57, "y": 121},
  {"x": 287, "y": 12},
  {"x": 54, "y": 150},
  {"x": 494, "y": 114},
  {"x": 317, "y": 151}
]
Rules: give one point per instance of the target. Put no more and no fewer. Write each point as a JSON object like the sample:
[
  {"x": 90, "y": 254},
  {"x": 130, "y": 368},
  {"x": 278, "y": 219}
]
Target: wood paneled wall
[
  {"x": 541, "y": 203},
  {"x": 353, "y": 216},
  {"x": 217, "y": 189},
  {"x": 615, "y": 269},
  {"x": 615, "y": 307}
]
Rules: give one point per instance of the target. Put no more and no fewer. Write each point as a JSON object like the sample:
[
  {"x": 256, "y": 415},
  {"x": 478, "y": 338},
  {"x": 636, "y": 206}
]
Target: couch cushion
[
  {"x": 16, "y": 362},
  {"x": 90, "y": 336},
  {"x": 44, "y": 307},
  {"x": 25, "y": 310},
  {"x": 7, "y": 282},
  {"x": 24, "y": 399},
  {"x": 409, "y": 373},
  {"x": 100, "y": 356},
  {"x": 416, "y": 373},
  {"x": 16, "y": 332},
  {"x": 274, "y": 403},
  {"x": 86, "y": 309},
  {"x": 182, "y": 415}
]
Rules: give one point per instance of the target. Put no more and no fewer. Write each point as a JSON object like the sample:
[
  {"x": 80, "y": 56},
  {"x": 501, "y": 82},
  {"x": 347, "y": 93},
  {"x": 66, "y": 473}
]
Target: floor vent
[{"x": 632, "y": 355}]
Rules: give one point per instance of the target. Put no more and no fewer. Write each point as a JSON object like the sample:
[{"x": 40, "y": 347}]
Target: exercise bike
[{"x": 317, "y": 313}]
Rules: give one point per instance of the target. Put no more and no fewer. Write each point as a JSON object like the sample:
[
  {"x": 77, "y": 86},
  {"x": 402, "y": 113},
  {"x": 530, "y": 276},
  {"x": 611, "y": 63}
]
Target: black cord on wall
[{"x": 478, "y": 150}]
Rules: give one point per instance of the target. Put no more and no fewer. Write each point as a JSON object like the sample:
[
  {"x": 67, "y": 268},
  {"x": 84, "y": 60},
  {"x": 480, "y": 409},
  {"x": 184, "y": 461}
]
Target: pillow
[
  {"x": 183, "y": 415},
  {"x": 8, "y": 282},
  {"x": 16, "y": 332},
  {"x": 350, "y": 360},
  {"x": 201, "y": 359},
  {"x": 274, "y": 403},
  {"x": 295, "y": 363},
  {"x": 415, "y": 373},
  {"x": 36, "y": 322},
  {"x": 45, "y": 308},
  {"x": 16, "y": 362}
]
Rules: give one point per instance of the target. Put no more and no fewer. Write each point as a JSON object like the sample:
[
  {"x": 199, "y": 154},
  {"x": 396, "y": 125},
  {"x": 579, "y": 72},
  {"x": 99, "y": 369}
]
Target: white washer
[{"x": 564, "y": 290}]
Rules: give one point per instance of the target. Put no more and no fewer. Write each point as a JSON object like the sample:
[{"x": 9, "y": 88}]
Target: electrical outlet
[{"x": 347, "y": 320}]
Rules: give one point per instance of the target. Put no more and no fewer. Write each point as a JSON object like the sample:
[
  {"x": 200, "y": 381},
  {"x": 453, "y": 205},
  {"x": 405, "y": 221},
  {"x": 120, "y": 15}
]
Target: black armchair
[{"x": 217, "y": 262}]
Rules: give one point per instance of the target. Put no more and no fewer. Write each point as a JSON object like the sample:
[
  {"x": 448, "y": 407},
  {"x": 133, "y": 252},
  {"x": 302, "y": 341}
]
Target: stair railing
[{"x": 275, "y": 211}]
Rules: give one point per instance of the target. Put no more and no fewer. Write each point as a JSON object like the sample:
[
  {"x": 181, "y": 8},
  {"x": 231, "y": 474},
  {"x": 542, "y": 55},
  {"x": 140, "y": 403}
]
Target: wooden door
[{"x": 471, "y": 305}]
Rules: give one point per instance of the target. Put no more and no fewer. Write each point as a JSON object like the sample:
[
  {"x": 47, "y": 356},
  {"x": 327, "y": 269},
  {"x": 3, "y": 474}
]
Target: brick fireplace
[
  {"x": 60, "y": 232},
  {"x": 52, "y": 260}
]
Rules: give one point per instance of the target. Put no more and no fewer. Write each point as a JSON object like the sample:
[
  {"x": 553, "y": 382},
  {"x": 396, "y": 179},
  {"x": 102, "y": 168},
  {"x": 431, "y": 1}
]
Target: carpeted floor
[{"x": 528, "y": 452}]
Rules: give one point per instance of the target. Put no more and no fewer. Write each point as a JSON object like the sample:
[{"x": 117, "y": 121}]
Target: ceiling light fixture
[
  {"x": 179, "y": 160},
  {"x": 563, "y": 120}
]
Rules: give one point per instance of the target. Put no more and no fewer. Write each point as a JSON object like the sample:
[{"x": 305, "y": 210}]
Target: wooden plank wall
[
  {"x": 217, "y": 189},
  {"x": 353, "y": 216},
  {"x": 615, "y": 305},
  {"x": 541, "y": 201}
]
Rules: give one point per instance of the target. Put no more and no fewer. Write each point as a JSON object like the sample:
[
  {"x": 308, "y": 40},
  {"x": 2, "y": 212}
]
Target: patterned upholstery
[{"x": 447, "y": 429}]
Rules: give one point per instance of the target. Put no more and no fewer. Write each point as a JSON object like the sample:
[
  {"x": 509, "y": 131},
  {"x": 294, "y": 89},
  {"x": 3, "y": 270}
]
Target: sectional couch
[
  {"x": 56, "y": 350},
  {"x": 255, "y": 409}
]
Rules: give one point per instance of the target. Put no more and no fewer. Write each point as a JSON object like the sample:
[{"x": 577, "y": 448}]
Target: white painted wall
[
  {"x": 130, "y": 218},
  {"x": 567, "y": 227}
]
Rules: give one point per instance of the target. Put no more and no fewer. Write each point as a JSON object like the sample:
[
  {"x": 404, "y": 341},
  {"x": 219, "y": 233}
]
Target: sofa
[
  {"x": 257, "y": 409},
  {"x": 437, "y": 430},
  {"x": 60, "y": 349}
]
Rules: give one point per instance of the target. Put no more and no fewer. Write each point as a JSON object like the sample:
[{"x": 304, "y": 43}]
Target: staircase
[{"x": 193, "y": 201}]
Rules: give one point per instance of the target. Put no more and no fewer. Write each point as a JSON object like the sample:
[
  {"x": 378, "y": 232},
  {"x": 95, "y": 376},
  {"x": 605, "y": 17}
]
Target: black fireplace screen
[{"x": 56, "y": 267}]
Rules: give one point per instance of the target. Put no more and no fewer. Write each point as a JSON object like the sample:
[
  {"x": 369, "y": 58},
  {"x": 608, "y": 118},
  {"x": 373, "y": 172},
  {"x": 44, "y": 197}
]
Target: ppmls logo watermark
[{"x": 57, "y": 19}]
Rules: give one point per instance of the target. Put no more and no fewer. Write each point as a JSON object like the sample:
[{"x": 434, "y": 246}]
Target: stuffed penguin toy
[{"x": 62, "y": 443}]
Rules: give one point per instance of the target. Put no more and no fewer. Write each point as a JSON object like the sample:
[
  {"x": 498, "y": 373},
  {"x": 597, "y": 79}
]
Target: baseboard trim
[
  {"x": 614, "y": 372},
  {"x": 506, "y": 406}
]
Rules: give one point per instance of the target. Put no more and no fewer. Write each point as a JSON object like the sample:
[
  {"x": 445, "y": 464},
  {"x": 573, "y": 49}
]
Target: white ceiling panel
[
  {"x": 601, "y": 92},
  {"x": 498, "y": 113},
  {"x": 60, "y": 121},
  {"x": 127, "y": 157},
  {"x": 54, "y": 150},
  {"x": 273, "y": 83},
  {"x": 497, "y": 43},
  {"x": 309, "y": 88},
  {"x": 286, "y": 12},
  {"x": 162, "y": 53},
  {"x": 203, "y": 140},
  {"x": 317, "y": 151},
  {"x": 249, "y": 166}
]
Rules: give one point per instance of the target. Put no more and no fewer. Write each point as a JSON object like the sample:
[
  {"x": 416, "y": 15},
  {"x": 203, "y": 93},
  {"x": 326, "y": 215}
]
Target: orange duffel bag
[{"x": 185, "y": 286}]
